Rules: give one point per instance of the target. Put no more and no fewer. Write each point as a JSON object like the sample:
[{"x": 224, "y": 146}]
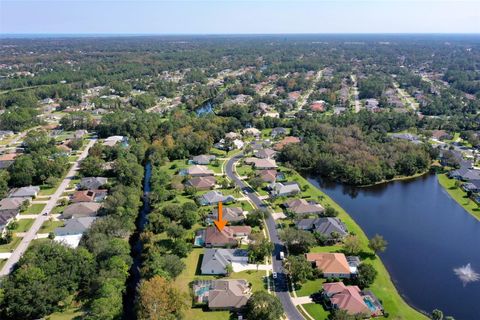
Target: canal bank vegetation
[
  {"x": 454, "y": 189},
  {"x": 54, "y": 278}
]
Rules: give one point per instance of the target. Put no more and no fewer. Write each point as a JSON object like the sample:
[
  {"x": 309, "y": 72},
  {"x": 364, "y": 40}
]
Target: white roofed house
[
  {"x": 278, "y": 189},
  {"x": 113, "y": 140},
  {"x": 72, "y": 232},
  {"x": 252, "y": 132},
  {"x": 29, "y": 192},
  {"x": 199, "y": 171}
]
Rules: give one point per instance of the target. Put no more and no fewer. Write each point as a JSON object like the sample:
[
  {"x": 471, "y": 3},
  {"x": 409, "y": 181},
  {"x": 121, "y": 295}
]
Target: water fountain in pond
[{"x": 466, "y": 274}]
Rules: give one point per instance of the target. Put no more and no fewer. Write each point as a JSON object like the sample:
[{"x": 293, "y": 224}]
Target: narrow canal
[
  {"x": 136, "y": 253},
  {"x": 429, "y": 236}
]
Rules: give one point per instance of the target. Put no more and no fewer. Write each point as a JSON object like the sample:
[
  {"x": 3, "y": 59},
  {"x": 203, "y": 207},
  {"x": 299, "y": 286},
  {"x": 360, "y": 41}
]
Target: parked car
[
  {"x": 282, "y": 255},
  {"x": 274, "y": 275}
]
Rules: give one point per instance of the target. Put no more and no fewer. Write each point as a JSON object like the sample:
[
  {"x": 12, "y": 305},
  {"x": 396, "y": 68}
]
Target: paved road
[
  {"x": 41, "y": 218},
  {"x": 281, "y": 283}
]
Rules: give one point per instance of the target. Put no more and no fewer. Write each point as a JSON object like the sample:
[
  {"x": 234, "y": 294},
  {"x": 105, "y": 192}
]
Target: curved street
[{"x": 281, "y": 283}]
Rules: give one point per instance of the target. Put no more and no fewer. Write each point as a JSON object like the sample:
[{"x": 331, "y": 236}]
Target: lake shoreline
[
  {"x": 456, "y": 193},
  {"x": 384, "y": 286}
]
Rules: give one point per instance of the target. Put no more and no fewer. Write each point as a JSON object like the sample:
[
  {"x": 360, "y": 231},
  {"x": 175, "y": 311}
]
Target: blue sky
[{"x": 236, "y": 16}]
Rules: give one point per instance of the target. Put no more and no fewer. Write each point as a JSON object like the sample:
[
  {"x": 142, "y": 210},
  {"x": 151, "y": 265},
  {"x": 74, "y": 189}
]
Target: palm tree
[{"x": 229, "y": 269}]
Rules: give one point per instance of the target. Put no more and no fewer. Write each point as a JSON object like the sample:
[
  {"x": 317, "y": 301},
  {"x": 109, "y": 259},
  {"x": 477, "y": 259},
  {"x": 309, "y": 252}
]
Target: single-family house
[
  {"x": 278, "y": 189},
  {"x": 346, "y": 298},
  {"x": 252, "y": 132},
  {"x": 293, "y": 96},
  {"x": 228, "y": 237},
  {"x": 268, "y": 175},
  {"x": 202, "y": 183},
  {"x": 214, "y": 197},
  {"x": 266, "y": 153},
  {"x": 215, "y": 261},
  {"x": 78, "y": 134},
  {"x": 81, "y": 209},
  {"x": 13, "y": 204},
  {"x": 224, "y": 294},
  {"x": 199, "y": 171},
  {"x": 264, "y": 164},
  {"x": 331, "y": 228},
  {"x": 203, "y": 159},
  {"x": 303, "y": 207},
  {"x": 92, "y": 183},
  {"x": 25, "y": 192},
  {"x": 331, "y": 265},
  {"x": 317, "y": 106},
  {"x": 71, "y": 233},
  {"x": 113, "y": 140},
  {"x": 89, "y": 196},
  {"x": 228, "y": 294},
  {"x": 278, "y": 131},
  {"x": 233, "y": 136},
  {"x": 9, "y": 211},
  {"x": 6, "y": 160},
  {"x": 231, "y": 214},
  {"x": 441, "y": 135},
  {"x": 238, "y": 144},
  {"x": 465, "y": 174},
  {"x": 472, "y": 186},
  {"x": 285, "y": 141}
]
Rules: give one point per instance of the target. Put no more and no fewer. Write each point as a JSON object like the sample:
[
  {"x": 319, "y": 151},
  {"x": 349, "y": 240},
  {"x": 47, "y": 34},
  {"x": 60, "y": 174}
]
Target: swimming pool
[
  {"x": 199, "y": 242},
  {"x": 370, "y": 304}
]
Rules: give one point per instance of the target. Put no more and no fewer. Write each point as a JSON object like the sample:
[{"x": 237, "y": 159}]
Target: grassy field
[
  {"x": 35, "y": 208},
  {"x": 192, "y": 272},
  {"x": 23, "y": 225},
  {"x": 10, "y": 246},
  {"x": 71, "y": 313},
  {"x": 50, "y": 226},
  {"x": 383, "y": 286},
  {"x": 309, "y": 287},
  {"x": 316, "y": 311},
  {"x": 459, "y": 195}
]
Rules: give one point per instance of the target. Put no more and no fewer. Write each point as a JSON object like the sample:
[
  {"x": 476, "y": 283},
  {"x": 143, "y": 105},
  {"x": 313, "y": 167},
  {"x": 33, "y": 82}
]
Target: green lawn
[
  {"x": 23, "y": 225},
  {"x": 46, "y": 190},
  {"x": 35, "y": 208},
  {"x": 10, "y": 246},
  {"x": 2, "y": 263},
  {"x": 317, "y": 311},
  {"x": 50, "y": 226},
  {"x": 69, "y": 314},
  {"x": 192, "y": 272},
  {"x": 383, "y": 287},
  {"x": 459, "y": 195},
  {"x": 310, "y": 287},
  {"x": 243, "y": 169}
]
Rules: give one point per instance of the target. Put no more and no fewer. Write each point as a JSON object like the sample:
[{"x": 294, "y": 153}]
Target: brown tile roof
[
  {"x": 229, "y": 294},
  {"x": 268, "y": 175},
  {"x": 202, "y": 182},
  {"x": 226, "y": 237},
  {"x": 346, "y": 297},
  {"x": 329, "y": 262},
  {"x": 198, "y": 170},
  {"x": 302, "y": 206},
  {"x": 8, "y": 157},
  {"x": 84, "y": 196},
  {"x": 287, "y": 140}
]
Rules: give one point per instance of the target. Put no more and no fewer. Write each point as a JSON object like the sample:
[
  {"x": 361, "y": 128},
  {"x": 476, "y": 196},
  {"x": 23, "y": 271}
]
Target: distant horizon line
[{"x": 70, "y": 34}]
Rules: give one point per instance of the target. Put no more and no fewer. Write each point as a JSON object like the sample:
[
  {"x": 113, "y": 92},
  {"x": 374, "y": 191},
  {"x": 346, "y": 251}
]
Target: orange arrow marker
[{"x": 220, "y": 223}]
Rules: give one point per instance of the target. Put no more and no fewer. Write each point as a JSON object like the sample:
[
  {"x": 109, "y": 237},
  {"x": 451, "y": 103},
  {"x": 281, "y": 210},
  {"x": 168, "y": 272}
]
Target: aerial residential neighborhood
[{"x": 239, "y": 160}]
